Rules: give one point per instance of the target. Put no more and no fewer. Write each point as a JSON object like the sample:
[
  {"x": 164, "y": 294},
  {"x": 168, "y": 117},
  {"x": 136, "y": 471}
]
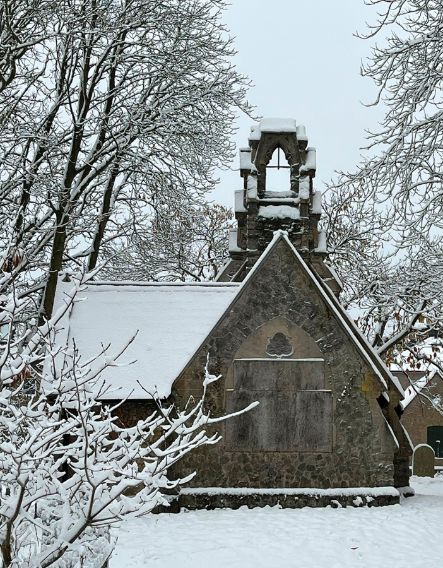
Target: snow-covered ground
[{"x": 408, "y": 534}]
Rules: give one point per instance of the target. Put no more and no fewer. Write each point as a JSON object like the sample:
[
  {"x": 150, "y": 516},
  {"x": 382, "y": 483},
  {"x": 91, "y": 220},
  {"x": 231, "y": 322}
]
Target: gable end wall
[{"x": 280, "y": 296}]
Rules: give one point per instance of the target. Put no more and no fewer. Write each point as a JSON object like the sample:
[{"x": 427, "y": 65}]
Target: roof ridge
[{"x": 141, "y": 283}]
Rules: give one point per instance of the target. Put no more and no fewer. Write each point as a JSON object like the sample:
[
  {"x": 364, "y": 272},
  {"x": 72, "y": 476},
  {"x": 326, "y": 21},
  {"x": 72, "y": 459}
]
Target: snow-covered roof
[
  {"x": 278, "y": 125},
  {"x": 416, "y": 387},
  {"x": 172, "y": 322},
  {"x": 412, "y": 391},
  {"x": 425, "y": 350},
  {"x": 171, "y": 319}
]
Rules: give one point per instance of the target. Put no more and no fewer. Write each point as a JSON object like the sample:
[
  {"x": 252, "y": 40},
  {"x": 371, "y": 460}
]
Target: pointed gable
[
  {"x": 285, "y": 341},
  {"x": 318, "y": 292}
]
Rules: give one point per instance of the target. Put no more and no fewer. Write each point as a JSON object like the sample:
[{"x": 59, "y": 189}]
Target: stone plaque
[
  {"x": 294, "y": 414},
  {"x": 313, "y": 421},
  {"x": 279, "y": 374},
  {"x": 423, "y": 461},
  {"x": 264, "y": 428}
]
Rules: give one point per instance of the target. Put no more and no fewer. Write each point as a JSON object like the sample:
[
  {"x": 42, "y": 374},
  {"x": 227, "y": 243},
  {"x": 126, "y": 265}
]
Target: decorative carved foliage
[{"x": 279, "y": 346}]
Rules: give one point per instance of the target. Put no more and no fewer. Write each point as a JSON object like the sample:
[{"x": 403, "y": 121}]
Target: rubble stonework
[{"x": 323, "y": 420}]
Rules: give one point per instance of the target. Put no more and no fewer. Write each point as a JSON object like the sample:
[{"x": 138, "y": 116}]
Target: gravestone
[{"x": 423, "y": 461}]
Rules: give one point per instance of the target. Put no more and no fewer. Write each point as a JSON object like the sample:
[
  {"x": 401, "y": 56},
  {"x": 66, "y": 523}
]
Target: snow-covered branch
[{"x": 69, "y": 468}]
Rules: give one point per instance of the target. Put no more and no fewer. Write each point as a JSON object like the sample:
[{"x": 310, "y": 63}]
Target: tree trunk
[
  {"x": 55, "y": 266},
  {"x": 6, "y": 553},
  {"x": 104, "y": 217}
]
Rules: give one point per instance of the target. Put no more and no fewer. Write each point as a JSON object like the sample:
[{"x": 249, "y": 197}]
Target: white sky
[{"x": 304, "y": 62}]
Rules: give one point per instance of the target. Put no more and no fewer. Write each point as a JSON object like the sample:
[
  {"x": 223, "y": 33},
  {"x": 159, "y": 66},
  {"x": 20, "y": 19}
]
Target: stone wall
[
  {"x": 284, "y": 500},
  {"x": 281, "y": 298},
  {"x": 131, "y": 411}
]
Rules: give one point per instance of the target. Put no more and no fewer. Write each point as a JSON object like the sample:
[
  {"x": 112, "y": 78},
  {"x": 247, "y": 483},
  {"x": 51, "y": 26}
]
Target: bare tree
[
  {"x": 387, "y": 213},
  {"x": 404, "y": 166},
  {"x": 118, "y": 106},
  {"x": 189, "y": 243}
]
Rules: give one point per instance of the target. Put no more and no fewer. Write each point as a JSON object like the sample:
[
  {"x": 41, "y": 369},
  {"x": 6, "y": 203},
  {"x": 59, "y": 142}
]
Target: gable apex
[{"x": 280, "y": 237}]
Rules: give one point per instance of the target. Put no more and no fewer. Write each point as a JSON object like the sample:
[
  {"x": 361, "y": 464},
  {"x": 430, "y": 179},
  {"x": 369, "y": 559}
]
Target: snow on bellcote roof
[
  {"x": 172, "y": 320},
  {"x": 276, "y": 125}
]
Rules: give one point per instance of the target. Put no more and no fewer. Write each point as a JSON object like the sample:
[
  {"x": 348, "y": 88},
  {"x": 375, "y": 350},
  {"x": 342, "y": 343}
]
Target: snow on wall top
[
  {"x": 172, "y": 321},
  {"x": 233, "y": 247},
  {"x": 311, "y": 161},
  {"x": 245, "y": 159},
  {"x": 301, "y": 133},
  {"x": 238, "y": 201},
  {"x": 316, "y": 202},
  {"x": 322, "y": 242},
  {"x": 252, "y": 187},
  {"x": 255, "y": 132},
  {"x": 278, "y": 212},
  {"x": 304, "y": 187}
]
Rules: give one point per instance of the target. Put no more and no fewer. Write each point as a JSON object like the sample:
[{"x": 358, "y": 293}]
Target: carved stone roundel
[{"x": 279, "y": 345}]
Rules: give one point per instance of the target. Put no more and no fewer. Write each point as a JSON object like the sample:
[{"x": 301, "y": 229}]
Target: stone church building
[{"x": 327, "y": 426}]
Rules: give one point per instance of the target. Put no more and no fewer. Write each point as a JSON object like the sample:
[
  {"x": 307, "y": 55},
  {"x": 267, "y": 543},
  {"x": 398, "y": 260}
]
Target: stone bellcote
[{"x": 261, "y": 209}]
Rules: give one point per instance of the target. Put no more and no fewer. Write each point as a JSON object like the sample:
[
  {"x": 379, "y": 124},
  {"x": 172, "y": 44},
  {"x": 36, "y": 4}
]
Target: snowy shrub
[{"x": 69, "y": 470}]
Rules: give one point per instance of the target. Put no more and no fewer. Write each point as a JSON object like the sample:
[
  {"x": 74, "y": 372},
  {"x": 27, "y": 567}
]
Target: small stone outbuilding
[{"x": 327, "y": 428}]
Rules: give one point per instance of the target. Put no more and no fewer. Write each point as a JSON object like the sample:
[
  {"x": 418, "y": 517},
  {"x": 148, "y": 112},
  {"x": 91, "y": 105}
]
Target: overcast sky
[{"x": 304, "y": 62}]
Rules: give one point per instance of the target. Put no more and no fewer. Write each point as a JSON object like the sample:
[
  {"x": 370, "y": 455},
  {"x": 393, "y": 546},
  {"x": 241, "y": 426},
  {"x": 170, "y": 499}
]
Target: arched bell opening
[
  {"x": 278, "y": 182},
  {"x": 277, "y": 161}
]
